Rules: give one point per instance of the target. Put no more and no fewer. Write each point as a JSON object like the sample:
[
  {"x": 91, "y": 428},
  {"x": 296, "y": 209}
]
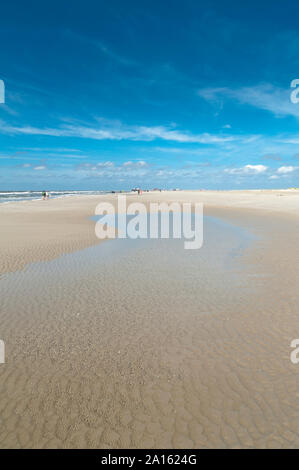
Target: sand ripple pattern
[{"x": 152, "y": 347}]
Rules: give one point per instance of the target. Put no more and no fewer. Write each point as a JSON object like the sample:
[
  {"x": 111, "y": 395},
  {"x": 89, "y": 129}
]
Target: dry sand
[{"x": 148, "y": 348}]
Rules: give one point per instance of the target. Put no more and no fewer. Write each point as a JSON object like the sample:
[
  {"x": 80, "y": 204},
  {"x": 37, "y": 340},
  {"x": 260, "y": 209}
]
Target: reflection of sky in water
[
  {"x": 151, "y": 223},
  {"x": 213, "y": 270},
  {"x": 215, "y": 231}
]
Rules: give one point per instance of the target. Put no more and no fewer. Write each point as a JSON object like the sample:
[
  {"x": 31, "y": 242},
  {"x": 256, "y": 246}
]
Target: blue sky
[{"x": 111, "y": 95}]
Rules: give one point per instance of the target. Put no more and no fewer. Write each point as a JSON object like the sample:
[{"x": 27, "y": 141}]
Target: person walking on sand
[{"x": 44, "y": 195}]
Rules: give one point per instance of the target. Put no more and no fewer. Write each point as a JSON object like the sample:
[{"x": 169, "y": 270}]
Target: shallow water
[{"x": 215, "y": 263}]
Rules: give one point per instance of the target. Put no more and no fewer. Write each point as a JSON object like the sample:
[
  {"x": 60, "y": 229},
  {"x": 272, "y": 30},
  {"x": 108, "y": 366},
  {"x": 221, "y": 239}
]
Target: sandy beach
[{"x": 146, "y": 345}]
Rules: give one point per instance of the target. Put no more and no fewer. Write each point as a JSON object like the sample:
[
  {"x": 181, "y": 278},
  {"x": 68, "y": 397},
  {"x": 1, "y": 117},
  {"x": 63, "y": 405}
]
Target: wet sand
[{"x": 144, "y": 344}]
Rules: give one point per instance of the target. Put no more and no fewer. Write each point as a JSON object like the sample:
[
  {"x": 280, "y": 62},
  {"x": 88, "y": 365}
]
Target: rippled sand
[{"x": 144, "y": 344}]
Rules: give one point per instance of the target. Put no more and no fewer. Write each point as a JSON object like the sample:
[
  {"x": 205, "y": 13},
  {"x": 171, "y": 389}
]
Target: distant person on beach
[
  {"x": 44, "y": 195},
  {"x": 47, "y": 195}
]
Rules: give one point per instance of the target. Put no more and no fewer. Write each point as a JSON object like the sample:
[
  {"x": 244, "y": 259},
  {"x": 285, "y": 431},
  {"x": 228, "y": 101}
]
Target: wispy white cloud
[
  {"x": 40, "y": 167},
  {"x": 139, "y": 163},
  {"x": 283, "y": 171},
  {"x": 286, "y": 169},
  {"x": 263, "y": 96},
  {"x": 103, "y": 47},
  {"x": 247, "y": 170},
  {"x": 289, "y": 140},
  {"x": 107, "y": 164},
  {"x": 112, "y": 54},
  {"x": 118, "y": 131},
  {"x": 51, "y": 149}
]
